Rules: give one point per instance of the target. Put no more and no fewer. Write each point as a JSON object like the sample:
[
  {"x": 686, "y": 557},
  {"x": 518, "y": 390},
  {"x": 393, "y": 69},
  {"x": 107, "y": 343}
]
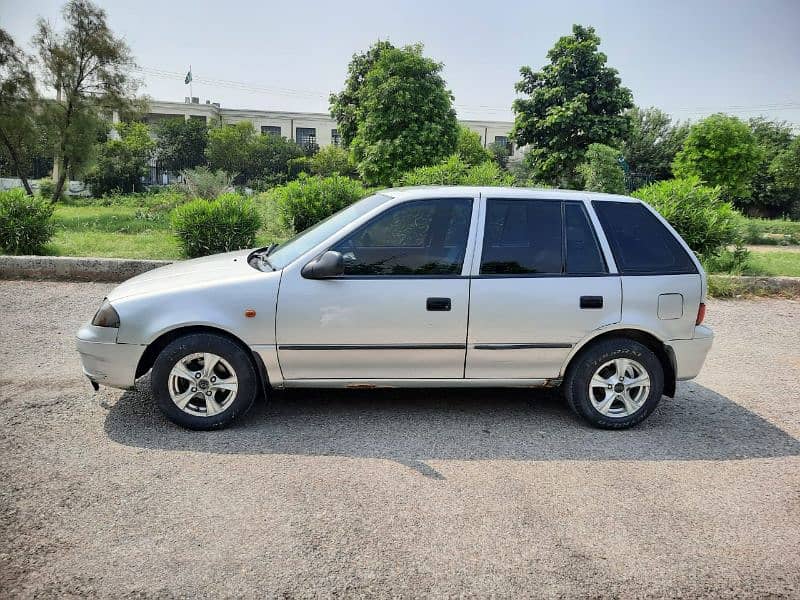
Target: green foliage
[
  {"x": 574, "y": 101},
  {"x": 652, "y": 142},
  {"x": 500, "y": 154},
  {"x": 454, "y": 171},
  {"x": 122, "y": 163},
  {"x": 203, "y": 227},
  {"x": 470, "y": 148},
  {"x": 721, "y": 151},
  {"x": 18, "y": 97},
  {"x": 92, "y": 69},
  {"x": 181, "y": 143},
  {"x": 697, "y": 212},
  {"x": 602, "y": 172},
  {"x": 332, "y": 160},
  {"x": 785, "y": 168},
  {"x": 259, "y": 160},
  {"x": 346, "y": 105},
  {"x": 301, "y": 164},
  {"x": 780, "y": 232},
  {"x": 308, "y": 200},
  {"x": 47, "y": 187},
  {"x": 26, "y": 222},
  {"x": 404, "y": 116},
  {"x": 201, "y": 182}
]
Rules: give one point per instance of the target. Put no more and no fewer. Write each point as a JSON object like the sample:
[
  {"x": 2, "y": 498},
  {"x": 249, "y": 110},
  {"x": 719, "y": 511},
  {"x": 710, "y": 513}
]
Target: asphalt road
[{"x": 398, "y": 493}]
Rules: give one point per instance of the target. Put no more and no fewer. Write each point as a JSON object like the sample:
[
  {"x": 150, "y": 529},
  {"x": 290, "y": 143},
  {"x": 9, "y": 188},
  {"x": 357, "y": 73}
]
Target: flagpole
[{"x": 191, "y": 94}]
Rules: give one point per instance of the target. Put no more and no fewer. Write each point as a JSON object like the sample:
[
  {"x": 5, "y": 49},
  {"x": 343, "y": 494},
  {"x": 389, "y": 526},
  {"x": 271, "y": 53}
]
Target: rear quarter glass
[{"x": 641, "y": 244}]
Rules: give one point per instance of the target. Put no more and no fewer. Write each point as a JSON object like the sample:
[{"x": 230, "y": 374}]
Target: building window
[
  {"x": 271, "y": 130},
  {"x": 503, "y": 140},
  {"x": 306, "y": 136},
  {"x": 336, "y": 139}
]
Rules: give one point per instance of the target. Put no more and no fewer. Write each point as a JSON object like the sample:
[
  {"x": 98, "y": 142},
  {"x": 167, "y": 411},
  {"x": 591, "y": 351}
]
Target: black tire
[
  {"x": 231, "y": 352},
  {"x": 584, "y": 366}
]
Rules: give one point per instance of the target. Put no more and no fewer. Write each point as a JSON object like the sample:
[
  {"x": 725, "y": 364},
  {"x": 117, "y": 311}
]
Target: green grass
[
  {"x": 773, "y": 263},
  {"x": 770, "y": 231},
  {"x": 134, "y": 227}
]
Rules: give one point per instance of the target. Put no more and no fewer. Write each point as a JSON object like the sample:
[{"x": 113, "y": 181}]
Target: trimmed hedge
[{"x": 26, "y": 222}]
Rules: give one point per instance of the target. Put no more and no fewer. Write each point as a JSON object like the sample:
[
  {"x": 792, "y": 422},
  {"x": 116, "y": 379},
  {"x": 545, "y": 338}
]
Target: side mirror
[{"x": 328, "y": 265}]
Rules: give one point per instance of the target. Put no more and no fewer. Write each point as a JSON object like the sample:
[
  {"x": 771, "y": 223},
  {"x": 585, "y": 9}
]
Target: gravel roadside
[{"x": 398, "y": 493}]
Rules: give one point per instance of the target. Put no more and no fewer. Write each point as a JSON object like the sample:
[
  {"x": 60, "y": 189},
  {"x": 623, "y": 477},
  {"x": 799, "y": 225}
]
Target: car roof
[{"x": 450, "y": 191}]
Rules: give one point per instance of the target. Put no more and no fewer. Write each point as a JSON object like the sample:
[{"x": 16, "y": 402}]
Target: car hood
[{"x": 200, "y": 272}]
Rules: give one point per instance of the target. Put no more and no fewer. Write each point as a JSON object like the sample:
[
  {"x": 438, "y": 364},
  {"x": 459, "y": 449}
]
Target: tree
[
  {"x": 652, "y": 142},
  {"x": 785, "y": 168},
  {"x": 17, "y": 105},
  {"x": 254, "y": 159},
  {"x": 405, "y": 118},
  {"x": 89, "y": 69},
  {"x": 331, "y": 160},
  {"x": 470, "y": 148},
  {"x": 345, "y": 105},
  {"x": 574, "y": 101},
  {"x": 770, "y": 196},
  {"x": 722, "y": 151},
  {"x": 456, "y": 171},
  {"x": 122, "y": 163},
  {"x": 181, "y": 143},
  {"x": 602, "y": 172},
  {"x": 500, "y": 153}
]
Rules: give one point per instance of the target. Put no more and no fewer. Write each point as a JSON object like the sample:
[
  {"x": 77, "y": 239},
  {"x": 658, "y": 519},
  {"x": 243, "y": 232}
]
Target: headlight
[{"x": 106, "y": 316}]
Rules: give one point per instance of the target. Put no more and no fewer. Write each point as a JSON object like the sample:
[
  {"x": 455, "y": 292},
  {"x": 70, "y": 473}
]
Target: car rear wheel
[
  {"x": 204, "y": 381},
  {"x": 615, "y": 384}
]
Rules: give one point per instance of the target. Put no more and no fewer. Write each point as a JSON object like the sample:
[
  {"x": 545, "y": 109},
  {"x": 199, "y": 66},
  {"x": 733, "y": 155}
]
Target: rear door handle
[
  {"x": 591, "y": 302},
  {"x": 438, "y": 304}
]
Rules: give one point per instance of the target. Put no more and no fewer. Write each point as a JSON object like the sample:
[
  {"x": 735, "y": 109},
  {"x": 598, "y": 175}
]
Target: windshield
[{"x": 304, "y": 241}]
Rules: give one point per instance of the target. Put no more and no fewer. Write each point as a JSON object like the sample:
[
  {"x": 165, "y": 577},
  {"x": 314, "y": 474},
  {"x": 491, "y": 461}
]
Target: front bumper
[
  {"x": 689, "y": 355},
  {"x": 106, "y": 362}
]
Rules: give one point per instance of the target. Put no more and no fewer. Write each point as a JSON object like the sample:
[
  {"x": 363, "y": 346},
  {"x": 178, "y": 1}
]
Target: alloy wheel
[
  {"x": 202, "y": 384},
  {"x": 619, "y": 388}
]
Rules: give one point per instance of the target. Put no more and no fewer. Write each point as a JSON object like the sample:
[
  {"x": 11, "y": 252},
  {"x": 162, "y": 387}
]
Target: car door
[
  {"x": 400, "y": 309},
  {"x": 540, "y": 284}
]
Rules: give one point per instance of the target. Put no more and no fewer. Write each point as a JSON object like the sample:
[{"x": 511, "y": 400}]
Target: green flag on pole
[{"x": 188, "y": 79}]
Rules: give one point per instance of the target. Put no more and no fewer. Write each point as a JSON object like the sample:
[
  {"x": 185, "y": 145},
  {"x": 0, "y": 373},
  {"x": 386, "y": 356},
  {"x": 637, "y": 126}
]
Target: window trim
[
  {"x": 469, "y": 243},
  {"x": 610, "y": 268},
  {"x": 615, "y": 251}
]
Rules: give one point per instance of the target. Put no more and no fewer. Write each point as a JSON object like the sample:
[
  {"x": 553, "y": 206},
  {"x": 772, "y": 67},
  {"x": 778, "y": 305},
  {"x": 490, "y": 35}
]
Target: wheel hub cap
[
  {"x": 203, "y": 384},
  {"x": 619, "y": 388}
]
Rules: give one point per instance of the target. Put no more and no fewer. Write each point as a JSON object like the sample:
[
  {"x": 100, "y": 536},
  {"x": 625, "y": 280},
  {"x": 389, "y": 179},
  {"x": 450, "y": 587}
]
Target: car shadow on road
[{"x": 412, "y": 426}]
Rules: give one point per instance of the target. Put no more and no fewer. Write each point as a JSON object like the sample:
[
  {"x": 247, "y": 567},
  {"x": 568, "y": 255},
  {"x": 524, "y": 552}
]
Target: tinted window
[
  {"x": 641, "y": 244},
  {"x": 521, "y": 237},
  {"x": 425, "y": 237},
  {"x": 583, "y": 251}
]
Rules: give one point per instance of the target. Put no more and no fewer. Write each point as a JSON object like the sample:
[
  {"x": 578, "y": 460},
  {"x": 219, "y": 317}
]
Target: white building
[{"x": 304, "y": 128}]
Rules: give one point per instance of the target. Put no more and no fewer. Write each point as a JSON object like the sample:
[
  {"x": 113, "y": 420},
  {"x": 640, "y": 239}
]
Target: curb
[
  {"x": 733, "y": 286},
  {"x": 70, "y": 268}
]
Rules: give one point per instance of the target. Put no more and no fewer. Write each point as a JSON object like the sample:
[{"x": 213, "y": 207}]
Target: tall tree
[
  {"x": 771, "y": 196},
  {"x": 652, "y": 142},
  {"x": 17, "y": 107},
  {"x": 405, "y": 117},
  {"x": 574, "y": 101},
  {"x": 89, "y": 69},
  {"x": 721, "y": 150},
  {"x": 181, "y": 143},
  {"x": 344, "y": 106},
  {"x": 123, "y": 161}
]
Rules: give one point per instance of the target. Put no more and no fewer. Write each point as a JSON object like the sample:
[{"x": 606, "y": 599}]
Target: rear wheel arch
[
  {"x": 661, "y": 350},
  {"x": 155, "y": 347}
]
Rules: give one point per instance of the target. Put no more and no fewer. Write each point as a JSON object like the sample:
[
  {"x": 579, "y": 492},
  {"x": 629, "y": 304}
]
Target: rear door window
[
  {"x": 584, "y": 256},
  {"x": 640, "y": 242},
  {"x": 522, "y": 237}
]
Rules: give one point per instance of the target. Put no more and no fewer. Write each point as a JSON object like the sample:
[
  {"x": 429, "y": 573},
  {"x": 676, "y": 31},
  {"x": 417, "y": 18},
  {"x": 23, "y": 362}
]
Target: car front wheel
[
  {"x": 615, "y": 383},
  {"x": 203, "y": 381}
]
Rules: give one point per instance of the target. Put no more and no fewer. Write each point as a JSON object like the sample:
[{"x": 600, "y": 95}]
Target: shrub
[
  {"x": 201, "y": 182},
  {"x": 122, "y": 163},
  {"x": 470, "y": 148},
  {"x": 602, "y": 172},
  {"x": 47, "y": 188},
  {"x": 454, "y": 171},
  {"x": 308, "y": 200},
  {"x": 331, "y": 160},
  {"x": 696, "y": 211},
  {"x": 207, "y": 227},
  {"x": 301, "y": 164},
  {"x": 26, "y": 222}
]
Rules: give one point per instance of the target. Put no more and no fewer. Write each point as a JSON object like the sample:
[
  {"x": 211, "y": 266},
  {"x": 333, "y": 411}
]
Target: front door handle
[
  {"x": 438, "y": 304},
  {"x": 591, "y": 302}
]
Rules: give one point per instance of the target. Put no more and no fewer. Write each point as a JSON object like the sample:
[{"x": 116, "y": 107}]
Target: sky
[{"x": 688, "y": 58}]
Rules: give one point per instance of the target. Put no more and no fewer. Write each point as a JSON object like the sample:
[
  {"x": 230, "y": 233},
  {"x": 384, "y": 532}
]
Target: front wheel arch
[
  {"x": 155, "y": 347},
  {"x": 647, "y": 339}
]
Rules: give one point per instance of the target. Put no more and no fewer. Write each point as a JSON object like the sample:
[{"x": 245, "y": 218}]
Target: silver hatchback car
[{"x": 421, "y": 287}]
